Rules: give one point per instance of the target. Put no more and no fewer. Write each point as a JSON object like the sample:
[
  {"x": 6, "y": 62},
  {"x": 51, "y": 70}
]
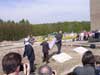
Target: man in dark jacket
[
  {"x": 29, "y": 52},
  {"x": 45, "y": 50},
  {"x": 59, "y": 41}
]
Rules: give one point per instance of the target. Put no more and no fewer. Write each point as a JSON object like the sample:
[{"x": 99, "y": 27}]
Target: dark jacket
[
  {"x": 85, "y": 70},
  {"x": 29, "y": 52},
  {"x": 45, "y": 47},
  {"x": 58, "y": 38}
]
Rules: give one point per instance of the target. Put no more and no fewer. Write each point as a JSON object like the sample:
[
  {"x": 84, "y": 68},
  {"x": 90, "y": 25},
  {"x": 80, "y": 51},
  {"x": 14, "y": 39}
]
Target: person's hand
[{"x": 26, "y": 68}]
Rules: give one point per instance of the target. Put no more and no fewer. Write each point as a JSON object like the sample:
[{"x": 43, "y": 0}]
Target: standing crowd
[{"x": 13, "y": 63}]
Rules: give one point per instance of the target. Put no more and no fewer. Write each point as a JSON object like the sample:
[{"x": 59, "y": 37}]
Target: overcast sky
[{"x": 45, "y": 11}]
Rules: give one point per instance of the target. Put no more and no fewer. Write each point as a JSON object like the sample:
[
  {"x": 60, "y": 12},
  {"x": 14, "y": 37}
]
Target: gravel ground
[{"x": 60, "y": 68}]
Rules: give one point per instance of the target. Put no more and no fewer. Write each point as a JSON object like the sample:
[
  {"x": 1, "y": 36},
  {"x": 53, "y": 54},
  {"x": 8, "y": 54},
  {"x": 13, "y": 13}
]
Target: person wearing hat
[{"x": 45, "y": 50}]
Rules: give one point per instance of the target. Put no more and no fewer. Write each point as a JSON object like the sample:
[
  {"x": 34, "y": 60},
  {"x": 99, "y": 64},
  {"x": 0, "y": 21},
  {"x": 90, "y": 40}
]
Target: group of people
[
  {"x": 90, "y": 65},
  {"x": 87, "y": 35},
  {"x": 46, "y": 48},
  {"x": 12, "y": 65},
  {"x": 12, "y": 62}
]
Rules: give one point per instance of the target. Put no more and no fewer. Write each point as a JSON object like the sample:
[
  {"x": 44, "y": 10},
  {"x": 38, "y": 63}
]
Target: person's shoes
[
  {"x": 32, "y": 73},
  {"x": 47, "y": 62},
  {"x": 58, "y": 52},
  {"x": 43, "y": 60}
]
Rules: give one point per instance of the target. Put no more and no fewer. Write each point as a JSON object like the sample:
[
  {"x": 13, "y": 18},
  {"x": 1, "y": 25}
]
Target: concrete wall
[{"x": 95, "y": 14}]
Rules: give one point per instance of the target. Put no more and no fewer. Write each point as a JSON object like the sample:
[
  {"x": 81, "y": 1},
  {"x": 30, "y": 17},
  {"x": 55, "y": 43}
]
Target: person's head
[
  {"x": 11, "y": 62},
  {"x": 88, "y": 58},
  {"x": 71, "y": 73},
  {"x": 45, "y": 70},
  {"x": 60, "y": 31},
  {"x": 46, "y": 39},
  {"x": 97, "y": 60}
]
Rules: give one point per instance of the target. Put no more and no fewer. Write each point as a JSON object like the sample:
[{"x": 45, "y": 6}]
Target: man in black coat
[
  {"x": 59, "y": 41},
  {"x": 45, "y": 50},
  {"x": 29, "y": 52}
]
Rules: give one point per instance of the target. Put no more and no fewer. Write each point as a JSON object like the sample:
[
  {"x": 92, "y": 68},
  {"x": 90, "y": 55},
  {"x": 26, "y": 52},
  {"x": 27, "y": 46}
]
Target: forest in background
[{"x": 10, "y": 30}]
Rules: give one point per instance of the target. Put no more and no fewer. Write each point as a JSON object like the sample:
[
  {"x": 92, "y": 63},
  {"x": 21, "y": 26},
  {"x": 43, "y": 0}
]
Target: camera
[{"x": 21, "y": 67}]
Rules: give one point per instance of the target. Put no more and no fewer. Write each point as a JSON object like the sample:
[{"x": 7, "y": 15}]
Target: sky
[{"x": 45, "y": 11}]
